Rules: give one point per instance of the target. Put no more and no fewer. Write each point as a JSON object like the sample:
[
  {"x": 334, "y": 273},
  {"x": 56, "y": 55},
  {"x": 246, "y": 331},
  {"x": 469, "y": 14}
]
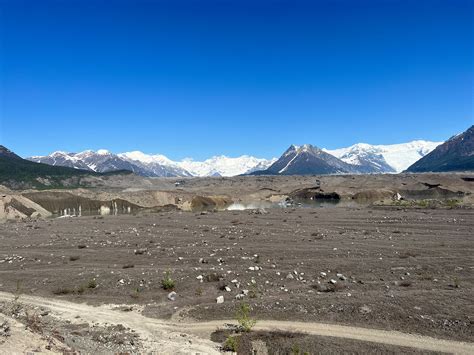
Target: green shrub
[
  {"x": 92, "y": 283},
  {"x": 242, "y": 315},
  {"x": 167, "y": 283},
  {"x": 230, "y": 344}
]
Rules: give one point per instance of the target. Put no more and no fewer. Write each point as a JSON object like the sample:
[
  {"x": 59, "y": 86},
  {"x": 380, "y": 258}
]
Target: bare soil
[{"x": 404, "y": 266}]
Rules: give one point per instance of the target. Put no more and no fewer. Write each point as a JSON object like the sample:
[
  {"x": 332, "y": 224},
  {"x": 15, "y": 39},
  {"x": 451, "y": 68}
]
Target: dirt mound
[
  {"x": 209, "y": 202},
  {"x": 63, "y": 203},
  {"x": 373, "y": 195},
  {"x": 19, "y": 207},
  {"x": 314, "y": 193},
  {"x": 435, "y": 192}
]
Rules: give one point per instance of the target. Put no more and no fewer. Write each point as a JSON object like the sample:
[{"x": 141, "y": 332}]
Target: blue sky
[{"x": 199, "y": 78}]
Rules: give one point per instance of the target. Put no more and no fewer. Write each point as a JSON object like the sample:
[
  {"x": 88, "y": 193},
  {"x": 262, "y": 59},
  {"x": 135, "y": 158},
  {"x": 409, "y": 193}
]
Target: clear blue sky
[{"x": 199, "y": 78}]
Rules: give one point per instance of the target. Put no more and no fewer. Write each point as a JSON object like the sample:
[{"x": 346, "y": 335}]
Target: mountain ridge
[
  {"x": 456, "y": 154},
  {"x": 362, "y": 158}
]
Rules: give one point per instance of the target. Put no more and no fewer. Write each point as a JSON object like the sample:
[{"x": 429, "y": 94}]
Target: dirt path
[{"x": 169, "y": 337}]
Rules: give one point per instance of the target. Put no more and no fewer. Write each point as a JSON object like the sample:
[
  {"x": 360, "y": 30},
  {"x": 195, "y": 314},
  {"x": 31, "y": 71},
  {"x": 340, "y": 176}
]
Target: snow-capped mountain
[
  {"x": 104, "y": 161},
  {"x": 225, "y": 166},
  {"x": 306, "y": 160},
  {"x": 154, "y": 165},
  {"x": 384, "y": 158}
]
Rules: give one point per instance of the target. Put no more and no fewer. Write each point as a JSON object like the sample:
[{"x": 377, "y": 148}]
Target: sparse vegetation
[
  {"x": 63, "y": 291},
  {"x": 230, "y": 344},
  {"x": 199, "y": 291},
  {"x": 168, "y": 283},
  {"x": 246, "y": 323},
  {"x": 92, "y": 283}
]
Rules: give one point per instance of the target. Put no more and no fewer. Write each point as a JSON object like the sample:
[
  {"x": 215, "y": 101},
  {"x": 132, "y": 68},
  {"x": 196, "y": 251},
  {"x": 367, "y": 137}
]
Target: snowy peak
[
  {"x": 225, "y": 166},
  {"x": 105, "y": 161},
  {"x": 385, "y": 158},
  {"x": 154, "y": 165},
  {"x": 306, "y": 160}
]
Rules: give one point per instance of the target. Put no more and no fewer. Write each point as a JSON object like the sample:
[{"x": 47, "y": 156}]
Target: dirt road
[{"x": 191, "y": 338}]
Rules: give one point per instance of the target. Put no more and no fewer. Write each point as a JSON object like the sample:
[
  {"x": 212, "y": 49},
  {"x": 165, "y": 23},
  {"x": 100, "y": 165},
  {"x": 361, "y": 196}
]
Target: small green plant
[
  {"x": 168, "y": 283},
  {"x": 198, "y": 291},
  {"x": 295, "y": 349},
  {"x": 457, "y": 284},
  {"x": 17, "y": 293},
  {"x": 92, "y": 283},
  {"x": 63, "y": 291},
  {"x": 136, "y": 293},
  {"x": 230, "y": 344},
  {"x": 242, "y": 315},
  {"x": 452, "y": 203},
  {"x": 253, "y": 292}
]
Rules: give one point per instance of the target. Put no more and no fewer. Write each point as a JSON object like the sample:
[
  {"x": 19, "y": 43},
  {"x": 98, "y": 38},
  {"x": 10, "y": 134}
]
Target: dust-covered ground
[{"x": 403, "y": 266}]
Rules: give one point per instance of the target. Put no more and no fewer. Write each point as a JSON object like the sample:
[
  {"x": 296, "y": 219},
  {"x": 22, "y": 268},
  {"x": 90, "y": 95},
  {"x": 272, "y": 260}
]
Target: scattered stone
[
  {"x": 140, "y": 251},
  {"x": 220, "y": 299},
  {"x": 172, "y": 296},
  {"x": 5, "y": 329}
]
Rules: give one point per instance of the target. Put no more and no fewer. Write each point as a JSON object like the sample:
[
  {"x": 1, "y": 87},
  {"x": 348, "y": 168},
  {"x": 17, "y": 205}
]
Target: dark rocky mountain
[
  {"x": 308, "y": 160},
  {"x": 456, "y": 154},
  {"x": 7, "y": 153}
]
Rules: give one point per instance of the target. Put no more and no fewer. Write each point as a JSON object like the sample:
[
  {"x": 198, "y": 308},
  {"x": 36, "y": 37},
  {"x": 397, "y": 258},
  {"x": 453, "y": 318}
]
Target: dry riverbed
[{"x": 387, "y": 268}]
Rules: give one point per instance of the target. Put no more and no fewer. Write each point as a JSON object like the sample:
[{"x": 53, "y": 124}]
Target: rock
[
  {"x": 227, "y": 288},
  {"x": 290, "y": 276},
  {"x": 220, "y": 299},
  {"x": 333, "y": 281},
  {"x": 239, "y": 296},
  {"x": 200, "y": 277},
  {"x": 365, "y": 309},
  {"x": 172, "y": 296},
  {"x": 322, "y": 274},
  {"x": 245, "y": 292},
  {"x": 341, "y": 277},
  {"x": 140, "y": 251}
]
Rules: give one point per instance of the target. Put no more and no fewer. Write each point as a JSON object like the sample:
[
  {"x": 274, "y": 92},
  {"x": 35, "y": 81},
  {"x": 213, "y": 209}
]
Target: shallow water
[{"x": 240, "y": 206}]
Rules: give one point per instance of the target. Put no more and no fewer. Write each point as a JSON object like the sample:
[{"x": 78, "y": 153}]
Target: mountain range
[
  {"x": 16, "y": 172},
  {"x": 456, "y": 154},
  {"x": 305, "y": 159}
]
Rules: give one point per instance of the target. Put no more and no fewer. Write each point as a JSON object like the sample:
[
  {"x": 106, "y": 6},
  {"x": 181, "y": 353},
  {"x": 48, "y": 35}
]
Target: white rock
[
  {"x": 220, "y": 299},
  {"x": 333, "y": 281},
  {"x": 227, "y": 288},
  {"x": 172, "y": 296}
]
